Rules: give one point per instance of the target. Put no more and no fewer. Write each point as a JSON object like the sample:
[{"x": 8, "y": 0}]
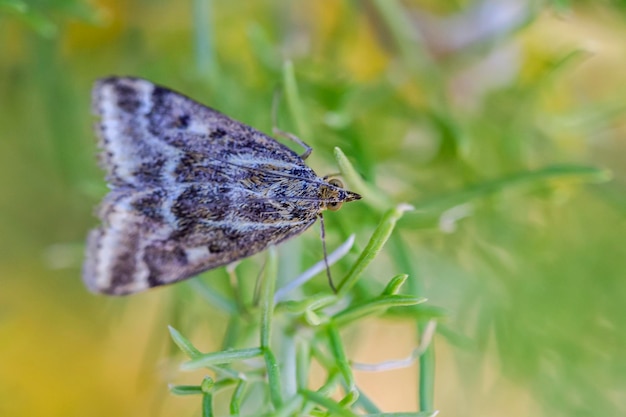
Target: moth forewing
[{"x": 191, "y": 189}]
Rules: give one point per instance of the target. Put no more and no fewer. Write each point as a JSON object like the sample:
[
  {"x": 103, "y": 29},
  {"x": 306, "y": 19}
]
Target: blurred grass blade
[
  {"x": 557, "y": 173},
  {"x": 203, "y": 38},
  {"x": 404, "y": 35},
  {"x": 41, "y": 24},
  {"x": 15, "y": 6},
  {"x": 294, "y": 102}
]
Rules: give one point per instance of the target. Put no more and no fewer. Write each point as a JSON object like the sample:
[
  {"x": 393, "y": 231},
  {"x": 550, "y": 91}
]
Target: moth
[{"x": 190, "y": 189}]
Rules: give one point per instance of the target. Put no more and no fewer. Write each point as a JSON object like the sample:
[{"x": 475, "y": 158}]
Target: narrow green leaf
[
  {"x": 351, "y": 397},
  {"x": 417, "y": 414},
  {"x": 185, "y": 389},
  {"x": 183, "y": 343},
  {"x": 375, "y": 244},
  {"x": 326, "y": 390},
  {"x": 327, "y": 403},
  {"x": 313, "y": 302},
  {"x": 267, "y": 314},
  {"x": 207, "y": 405},
  {"x": 341, "y": 360},
  {"x": 376, "y": 306},
  {"x": 237, "y": 397},
  {"x": 303, "y": 360},
  {"x": 227, "y": 356},
  {"x": 267, "y": 296},
  {"x": 560, "y": 173},
  {"x": 427, "y": 375},
  {"x": 395, "y": 284},
  {"x": 223, "y": 384},
  {"x": 273, "y": 377}
]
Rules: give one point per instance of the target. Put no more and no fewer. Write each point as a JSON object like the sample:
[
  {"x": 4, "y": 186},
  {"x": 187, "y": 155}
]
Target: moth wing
[
  {"x": 191, "y": 189},
  {"x": 161, "y": 236},
  {"x": 150, "y": 135}
]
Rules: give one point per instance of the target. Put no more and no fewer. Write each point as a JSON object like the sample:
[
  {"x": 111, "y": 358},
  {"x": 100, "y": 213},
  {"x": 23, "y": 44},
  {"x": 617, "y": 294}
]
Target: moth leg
[
  {"x": 294, "y": 138},
  {"x": 287, "y": 135}
]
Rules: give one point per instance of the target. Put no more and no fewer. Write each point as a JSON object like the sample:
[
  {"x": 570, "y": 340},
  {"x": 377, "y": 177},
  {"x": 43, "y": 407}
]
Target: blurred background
[{"x": 502, "y": 122}]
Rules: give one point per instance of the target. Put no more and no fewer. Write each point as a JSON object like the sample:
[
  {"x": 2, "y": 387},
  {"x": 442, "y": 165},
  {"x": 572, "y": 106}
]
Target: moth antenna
[
  {"x": 279, "y": 132},
  {"x": 323, "y": 235}
]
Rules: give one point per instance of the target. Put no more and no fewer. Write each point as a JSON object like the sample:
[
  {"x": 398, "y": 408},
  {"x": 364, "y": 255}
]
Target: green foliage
[
  {"x": 297, "y": 327},
  {"x": 491, "y": 170}
]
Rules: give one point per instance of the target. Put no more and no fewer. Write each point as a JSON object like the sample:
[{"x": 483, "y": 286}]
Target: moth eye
[
  {"x": 336, "y": 183},
  {"x": 335, "y": 205}
]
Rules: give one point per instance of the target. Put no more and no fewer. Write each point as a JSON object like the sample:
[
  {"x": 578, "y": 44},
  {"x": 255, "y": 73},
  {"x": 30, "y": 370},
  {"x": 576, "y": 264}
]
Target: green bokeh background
[{"x": 500, "y": 121}]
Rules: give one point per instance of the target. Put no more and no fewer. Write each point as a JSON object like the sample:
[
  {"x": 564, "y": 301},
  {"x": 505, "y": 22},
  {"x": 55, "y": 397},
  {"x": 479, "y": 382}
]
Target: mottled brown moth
[{"x": 191, "y": 189}]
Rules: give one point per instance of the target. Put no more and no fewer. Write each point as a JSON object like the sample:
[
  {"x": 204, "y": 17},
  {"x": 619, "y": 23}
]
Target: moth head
[{"x": 334, "y": 195}]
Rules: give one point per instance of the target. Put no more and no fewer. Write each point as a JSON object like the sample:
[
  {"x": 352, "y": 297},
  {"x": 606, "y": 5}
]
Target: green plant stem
[
  {"x": 426, "y": 378},
  {"x": 207, "y": 405},
  {"x": 341, "y": 360},
  {"x": 268, "y": 287},
  {"x": 237, "y": 397},
  {"x": 426, "y": 374},
  {"x": 267, "y": 296}
]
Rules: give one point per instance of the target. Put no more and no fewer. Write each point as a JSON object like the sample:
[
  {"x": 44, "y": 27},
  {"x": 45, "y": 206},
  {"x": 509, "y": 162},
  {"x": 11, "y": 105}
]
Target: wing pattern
[{"x": 191, "y": 189}]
